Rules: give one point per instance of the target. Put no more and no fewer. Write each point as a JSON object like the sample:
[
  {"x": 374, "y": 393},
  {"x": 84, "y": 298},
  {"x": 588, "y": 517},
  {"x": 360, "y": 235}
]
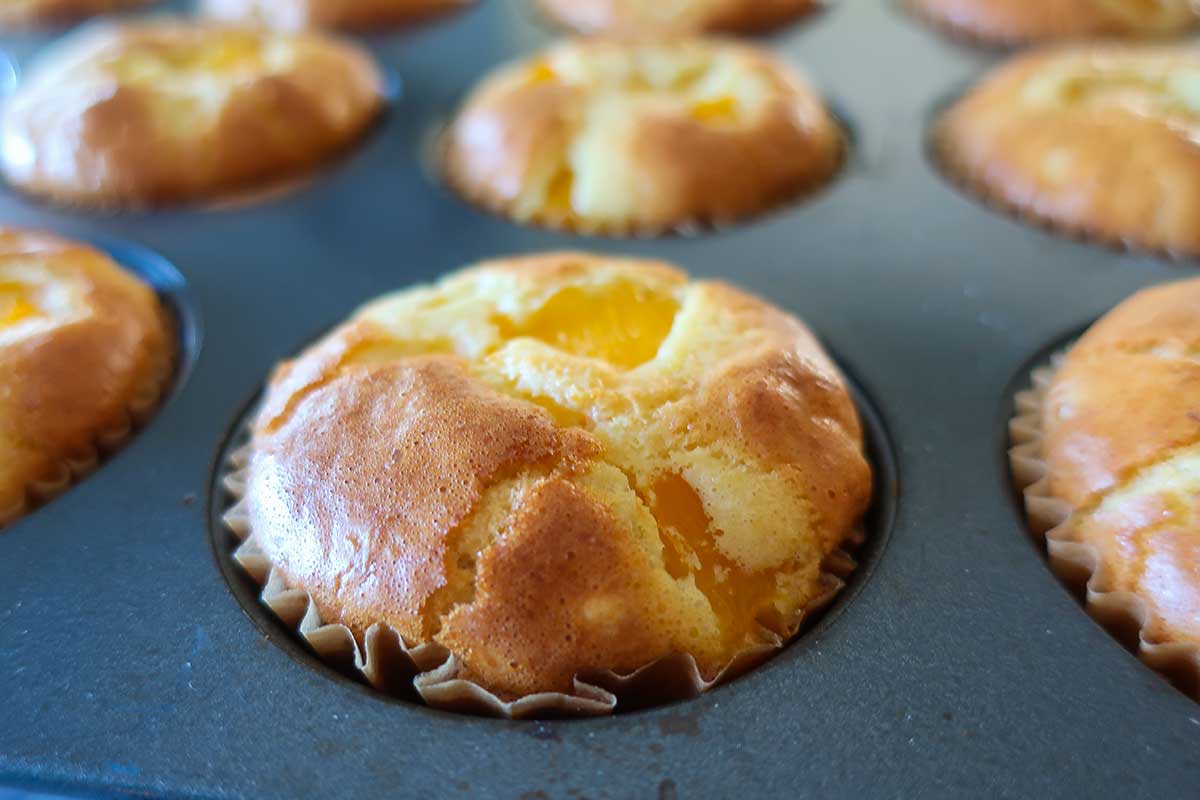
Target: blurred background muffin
[
  {"x": 164, "y": 111},
  {"x": 357, "y": 15},
  {"x": 641, "y": 137},
  {"x": 676, "y": 16},
  {"x": 18, "y": 14},
  {"x": 1091, "y": 139},
  {"x": 1011, "y": 22}
]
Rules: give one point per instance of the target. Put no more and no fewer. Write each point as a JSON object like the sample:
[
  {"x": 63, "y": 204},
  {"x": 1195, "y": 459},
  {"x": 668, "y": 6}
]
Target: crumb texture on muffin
[
  {"x": 167, "y": 111},
  {"x": 297, "y": 15},
  {"x": 18, "y": 14},
  {"x": 1013, "y": 22},
  {"x": 561, "y": 463},
  {"x": 628, "y": 137},
  {"x": 680, "y": 16},
  {"x": 85, "y": 351},
  {"x": 1121, "y": 440},
  {"x": 1093, "y": 139}
]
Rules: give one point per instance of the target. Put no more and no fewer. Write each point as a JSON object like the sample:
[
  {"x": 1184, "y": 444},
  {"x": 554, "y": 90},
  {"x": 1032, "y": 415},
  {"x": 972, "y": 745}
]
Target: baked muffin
[
  {"x": 560, "y": 464},
  {"x": 18, "y": 14},
  {"x": 1113, "y": 434},
  {"x": 689, "y": 16},
  {"x": 358, "y": 15},
  {"x": 164, "y": 111},
  {"x": 1012, "y": 22},
  {"x": 623, "y": 137},
  {"x": 86, "y": 350},
  {"x": 1098, "y": 140}
]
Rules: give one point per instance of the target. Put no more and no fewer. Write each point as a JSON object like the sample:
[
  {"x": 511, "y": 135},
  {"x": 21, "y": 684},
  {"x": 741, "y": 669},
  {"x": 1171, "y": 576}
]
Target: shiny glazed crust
[
  {"x": 161, "y": 112},
  {"x": 17, "y": 14},
  {"x": 1097, "y": 140},
  {"x": 1012, "y": 22},
  {"x": 1121, "y": 441},
  {"x": 91, "y": 359},
  {"x": 622, "y": 137},
  {"x": 468, "y": 464},
  {"x": 694, "y": 16},
  {"x": 353, "y": 15}
]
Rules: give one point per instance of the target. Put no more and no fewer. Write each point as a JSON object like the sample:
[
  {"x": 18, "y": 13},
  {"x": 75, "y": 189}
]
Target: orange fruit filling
[
  {"x": 16, "y": 304},
  {"x": 741, "y": 600},
  {"x": 619, "y": 323},
  {"x": 721, "y": 109}
]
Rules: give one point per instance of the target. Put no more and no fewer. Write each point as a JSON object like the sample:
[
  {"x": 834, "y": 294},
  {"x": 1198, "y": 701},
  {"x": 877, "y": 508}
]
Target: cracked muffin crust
[
  {"x": 561, "y": 463},
  {"x": 86, "y": 350},
  {"x": 1012, "y": 22},
  {"x": 685, "y": 16},
  {"x": 1097, "y": 140},
  {"x": 20, "y": 14},
  {"x": 625, "y": 137},
  {"x": 1120, "y": 439},
  {"x": 351, "y": 15},
  {"x": 159, "y": 112}
]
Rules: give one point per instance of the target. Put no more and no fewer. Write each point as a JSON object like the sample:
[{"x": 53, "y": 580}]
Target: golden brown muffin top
[
  {"x": 1121, "y": 427},
  {"x": 1099, "y": 139},
  {"x": 1017, "y": 21},
  {"x": 631, "y": 137},
  {"x": 296, "y": 15},
  {"x": 164, "y": 110},
  {"x": 561, "y": 462},
  {"x": 689, "y": 16},
  {"x": 83, "y": 346}
]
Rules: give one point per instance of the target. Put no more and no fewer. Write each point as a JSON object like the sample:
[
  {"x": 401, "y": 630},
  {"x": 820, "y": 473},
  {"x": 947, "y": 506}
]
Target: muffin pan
[{"x": 955, "y": 663}]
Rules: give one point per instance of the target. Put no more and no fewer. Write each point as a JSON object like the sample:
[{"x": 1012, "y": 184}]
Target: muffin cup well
[
  {"x": 430, "y": 672},
  {"x": 73, "y": 467},
  {"x": 1124, "y": 614}
]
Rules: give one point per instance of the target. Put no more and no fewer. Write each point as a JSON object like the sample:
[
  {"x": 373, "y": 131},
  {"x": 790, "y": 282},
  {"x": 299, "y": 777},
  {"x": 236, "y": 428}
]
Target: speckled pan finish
[{"x": 954, "y": 665}]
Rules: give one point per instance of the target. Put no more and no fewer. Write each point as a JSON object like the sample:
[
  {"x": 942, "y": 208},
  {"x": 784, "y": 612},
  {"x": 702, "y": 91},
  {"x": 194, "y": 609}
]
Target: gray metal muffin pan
[{"x": 955, "y": 664}]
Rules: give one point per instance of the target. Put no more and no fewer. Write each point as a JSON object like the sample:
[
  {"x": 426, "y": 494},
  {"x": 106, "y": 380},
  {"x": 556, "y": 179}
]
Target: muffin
[
  {"x": 1109, "y": 443},
  {"x": 555, "y": 468},
  {"x": 1095, "y": 140},
  {"x": 86, "y": 351},
  {"x": 1012, "y": 22},
  {"x": 357, "y": 15},
  {"x": 623, "y": 137},
  {"x": 163, "y": 111},
  {"x": 690, "y": 16},
  {"x": 19, "y": 14}
]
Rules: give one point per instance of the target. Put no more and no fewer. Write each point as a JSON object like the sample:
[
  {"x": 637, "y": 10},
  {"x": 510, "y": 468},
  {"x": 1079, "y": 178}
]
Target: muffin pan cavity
[
  {"x": 286, "y": 618},
  {"x": 164, "y": 373},
  {"x": 175, "y": 293}
]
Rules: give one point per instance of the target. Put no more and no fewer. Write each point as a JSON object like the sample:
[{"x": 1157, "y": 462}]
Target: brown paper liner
[
  {"x": 1124, "y": 614},
  {"x": 569, "y": 223},
  {"x": 270, "y": 189},
  {"x": 74, "y": 467},
  {"x": 430, "y": 672}
]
